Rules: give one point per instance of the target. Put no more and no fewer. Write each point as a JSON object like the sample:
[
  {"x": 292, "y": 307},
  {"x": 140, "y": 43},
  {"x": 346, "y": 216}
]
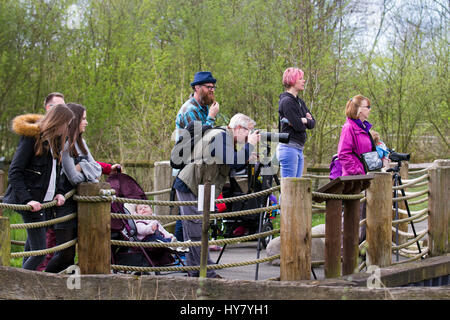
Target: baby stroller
[
  {"x": 125, "y": 230},
  {"x": 249, "y": 224}
]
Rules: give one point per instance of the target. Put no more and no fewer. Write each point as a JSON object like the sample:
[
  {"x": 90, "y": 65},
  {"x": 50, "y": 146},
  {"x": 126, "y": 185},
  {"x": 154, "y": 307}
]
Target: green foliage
[
  {"x": 16, "y": 234},
  {"x": 130, "y": 63}
]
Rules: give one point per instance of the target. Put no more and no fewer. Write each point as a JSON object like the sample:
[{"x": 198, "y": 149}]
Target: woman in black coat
[
  {"x": 295, "y": 119},
  {"x": 34, "y": 172},
  {"x": 78, "y": 166}
]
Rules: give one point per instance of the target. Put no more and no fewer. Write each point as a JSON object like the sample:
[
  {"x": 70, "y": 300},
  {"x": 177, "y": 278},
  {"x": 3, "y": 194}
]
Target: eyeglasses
[{"x": 210, "y": 87}]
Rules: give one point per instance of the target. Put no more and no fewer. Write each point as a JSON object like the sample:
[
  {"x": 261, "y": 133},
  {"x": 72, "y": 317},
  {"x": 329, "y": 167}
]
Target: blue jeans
[
  {"x": 291, "y": 161},
  {"x": 35, "y": 239}
]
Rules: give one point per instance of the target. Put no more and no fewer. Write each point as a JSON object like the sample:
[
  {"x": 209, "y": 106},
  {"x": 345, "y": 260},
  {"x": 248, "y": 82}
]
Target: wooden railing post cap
[
  {"x": 441, "y": 163},
  {"x": 92, "y": 188}
]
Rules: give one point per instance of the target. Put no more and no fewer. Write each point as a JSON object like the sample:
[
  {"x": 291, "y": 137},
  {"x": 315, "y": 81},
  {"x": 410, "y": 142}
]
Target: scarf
[{"x": 366, "y": 125}]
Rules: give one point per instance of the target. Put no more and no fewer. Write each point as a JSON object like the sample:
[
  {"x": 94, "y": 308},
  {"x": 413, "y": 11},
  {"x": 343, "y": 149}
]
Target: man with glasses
[
  {"x": 201, "y": 106},
  {"x": 215, "y": 155}
]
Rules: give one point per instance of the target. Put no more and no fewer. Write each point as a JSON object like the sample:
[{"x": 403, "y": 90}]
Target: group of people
[{"x": 52, "y": 157}]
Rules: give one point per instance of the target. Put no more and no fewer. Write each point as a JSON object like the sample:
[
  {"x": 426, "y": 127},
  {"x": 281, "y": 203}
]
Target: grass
[{"x": 17, "y": 234}]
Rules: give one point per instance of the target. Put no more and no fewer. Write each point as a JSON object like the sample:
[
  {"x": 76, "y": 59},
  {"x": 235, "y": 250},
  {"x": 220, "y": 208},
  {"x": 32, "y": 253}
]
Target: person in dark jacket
[
  {"x": 295, "y": 118},
  {"x": 78, "y": 166},
  {"x": 34, "y": 172}
]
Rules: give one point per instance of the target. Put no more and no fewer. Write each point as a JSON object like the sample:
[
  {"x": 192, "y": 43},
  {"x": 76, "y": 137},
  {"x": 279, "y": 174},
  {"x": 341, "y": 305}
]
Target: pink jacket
[{"x": 353, "y": 139}]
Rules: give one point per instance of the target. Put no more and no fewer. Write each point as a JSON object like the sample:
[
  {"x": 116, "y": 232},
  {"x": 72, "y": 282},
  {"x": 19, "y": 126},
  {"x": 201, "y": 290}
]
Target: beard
[{"x": 206, "y": 99}]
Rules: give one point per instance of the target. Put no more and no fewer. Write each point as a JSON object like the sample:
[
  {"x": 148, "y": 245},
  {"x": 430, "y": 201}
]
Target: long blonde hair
[{"x": 54, "y": 129}]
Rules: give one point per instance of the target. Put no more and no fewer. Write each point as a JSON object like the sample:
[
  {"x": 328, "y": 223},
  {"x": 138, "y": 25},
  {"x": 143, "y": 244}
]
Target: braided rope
[
  {"x": 44, "y": 251},
  {"x": 417, "y": 257},
  {"x": 27, "y": 207},
  {"x": 193, "y": 216},
  {"x": 410, "y": 196},
  {"x": 154, "y": 193},
  {"x": 420, "y": 171},
  {"x": 331, "y": 196},
  {"x": 193, "y": 243},
  {"x": 170, "y": 203},
  {"x": 18, "y": 242},
  {"x": 134, "y": 201},
  {"x": 411, "y": 182},
  {"x": 418, "y": 201},
  {"x": 315, "y": 176},
  {"x": 194, "y": 268},
  {"x": 248, "y": 196},
  {"x": 410, "y": 242},
  {"x": 43, "y": 223},
  {"x": 414, "y": 216}
]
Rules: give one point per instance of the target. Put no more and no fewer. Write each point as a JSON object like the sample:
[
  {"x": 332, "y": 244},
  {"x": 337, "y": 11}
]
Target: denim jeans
[
  {"x": 35, "y": 239},
  {"x": 192, "y": 230},
  {"x": 291, "y": 161}
]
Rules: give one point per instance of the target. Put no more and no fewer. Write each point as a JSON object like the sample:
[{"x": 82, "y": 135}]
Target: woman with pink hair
[{"x": 295, "y": 118}]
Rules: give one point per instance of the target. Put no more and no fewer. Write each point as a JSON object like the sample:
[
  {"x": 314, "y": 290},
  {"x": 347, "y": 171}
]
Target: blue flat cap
[{"x": 203, "y": 77}]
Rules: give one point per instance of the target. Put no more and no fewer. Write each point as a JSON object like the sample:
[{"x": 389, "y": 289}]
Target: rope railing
[
  {"x": 44, "y": 251},
  {"x": 415, "y": 216},
  {"x": 47, "y": 223},
  {"x": 187, "y": 244},
  {"x": 41, "y": 225},
  {"x": 26, "y": 207},
  {"x": 193, "y": 217},
  {"x": 411, "y": 182},
  {"x": 110, "y": 197},
  {"x": 194, "y": 268},
  {"x": 410, "y": 195}
]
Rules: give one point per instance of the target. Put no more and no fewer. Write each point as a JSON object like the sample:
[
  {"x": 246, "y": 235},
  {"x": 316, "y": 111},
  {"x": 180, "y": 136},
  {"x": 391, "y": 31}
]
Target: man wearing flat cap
[{"x": 201, "y": 106}]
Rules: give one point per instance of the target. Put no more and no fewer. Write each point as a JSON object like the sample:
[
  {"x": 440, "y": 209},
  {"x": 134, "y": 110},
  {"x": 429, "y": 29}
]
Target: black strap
[
  {"x": 373, "y": 143},
  {"x": 360, "y": 156}
]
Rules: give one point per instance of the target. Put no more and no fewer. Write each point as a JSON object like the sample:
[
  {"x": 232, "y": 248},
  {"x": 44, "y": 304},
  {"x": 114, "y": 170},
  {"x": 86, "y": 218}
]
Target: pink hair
[{"x": 291, "y": 75}]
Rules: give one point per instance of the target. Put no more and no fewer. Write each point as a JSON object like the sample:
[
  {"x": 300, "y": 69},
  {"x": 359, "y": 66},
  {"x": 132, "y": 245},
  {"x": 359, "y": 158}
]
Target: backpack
[
  {"x": 187, "y": 141},
  {"x": 335, "y": 167}
]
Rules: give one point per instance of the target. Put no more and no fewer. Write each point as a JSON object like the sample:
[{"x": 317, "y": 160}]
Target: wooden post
[
  {"x": 351, "y": 234},
  {"x": 163, "y": 179},
  {"x": 205, "y": 228},
  {"x": 295, "y": 229},
  {"x": 333, "y": 223},
  {"x": 438, "y": 207},
  {"x": 94, "y": 231},
  {"x": 5, "y": 242},
  {"x": 379, "y": 220},
  {"x": 333, "y": 231}
]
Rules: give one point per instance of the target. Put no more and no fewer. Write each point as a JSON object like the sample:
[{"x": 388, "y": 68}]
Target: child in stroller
[
  {"x": 149, "y": 230},
  {"x": 126, "y": 229}
]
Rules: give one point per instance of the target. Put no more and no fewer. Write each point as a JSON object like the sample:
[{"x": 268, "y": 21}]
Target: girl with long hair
[
  {"x": 34, "y": 172},
  {"x": 78, "y": 166}
]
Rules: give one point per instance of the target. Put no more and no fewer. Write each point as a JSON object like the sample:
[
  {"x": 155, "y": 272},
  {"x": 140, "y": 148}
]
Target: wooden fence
[{"x": 94, "y": 221}]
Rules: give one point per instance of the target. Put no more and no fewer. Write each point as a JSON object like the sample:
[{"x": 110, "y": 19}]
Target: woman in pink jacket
[
  {"x": 354, "y": 138},
  {"x": 353, "y": 142}
]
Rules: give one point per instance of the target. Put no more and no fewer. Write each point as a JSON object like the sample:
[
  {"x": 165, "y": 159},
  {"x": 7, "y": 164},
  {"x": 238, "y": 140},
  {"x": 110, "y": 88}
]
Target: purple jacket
[{"x": 353, "y": 139}]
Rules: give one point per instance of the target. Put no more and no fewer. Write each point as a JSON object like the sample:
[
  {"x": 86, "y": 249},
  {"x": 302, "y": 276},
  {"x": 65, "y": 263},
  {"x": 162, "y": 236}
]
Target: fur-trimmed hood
[{"x": 26, "y": 124}]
